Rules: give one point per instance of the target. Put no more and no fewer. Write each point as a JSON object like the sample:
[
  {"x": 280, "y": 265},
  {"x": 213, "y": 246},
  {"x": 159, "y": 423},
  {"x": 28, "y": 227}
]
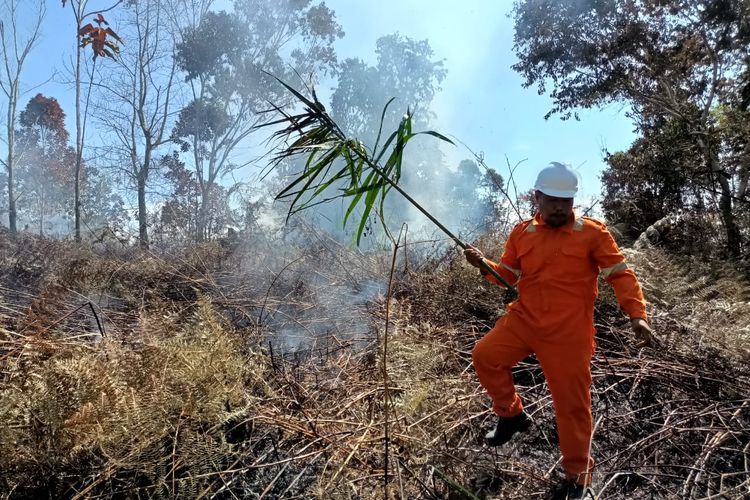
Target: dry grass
[
  {"x": 183, "y": 396},
  {"x": 711, "y": 299}
]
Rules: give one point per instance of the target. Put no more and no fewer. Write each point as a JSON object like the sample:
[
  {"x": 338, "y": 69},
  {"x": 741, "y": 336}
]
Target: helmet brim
[{"x": 557, "y": 193}]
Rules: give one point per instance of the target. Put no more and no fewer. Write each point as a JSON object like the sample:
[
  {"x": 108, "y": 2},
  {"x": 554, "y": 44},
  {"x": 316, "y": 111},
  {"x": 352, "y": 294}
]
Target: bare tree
[
  {"x": 138, "y": 105},
  {"x": 227, "y": 58},
  {"x": 15, "y": 49},
  {"x": 78, "y": 7}
]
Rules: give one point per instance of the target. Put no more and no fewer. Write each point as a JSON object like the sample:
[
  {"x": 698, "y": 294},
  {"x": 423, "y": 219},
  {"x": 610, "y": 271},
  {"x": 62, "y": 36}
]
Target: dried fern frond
[{"x": 133, "y": 411}]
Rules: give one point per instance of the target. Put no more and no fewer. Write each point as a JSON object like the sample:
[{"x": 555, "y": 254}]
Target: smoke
[
  {"x": 320, "y": 283},
  {"x": 324, "y": 314},
  {"x": 310, "y": 292}
]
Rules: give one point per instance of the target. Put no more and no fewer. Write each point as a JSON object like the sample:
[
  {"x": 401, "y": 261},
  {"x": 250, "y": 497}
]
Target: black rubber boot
[
  {"x": 570, "y": 490},
  {"x": 506, "y": 428}
]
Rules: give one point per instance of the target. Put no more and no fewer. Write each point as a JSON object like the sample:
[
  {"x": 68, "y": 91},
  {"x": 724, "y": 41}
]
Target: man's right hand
[
  {"x": 474, "y": 256},
  {"x": 644, "y": 333}
]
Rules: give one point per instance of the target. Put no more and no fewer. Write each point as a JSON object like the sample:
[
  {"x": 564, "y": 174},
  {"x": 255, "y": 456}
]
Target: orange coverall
[{"x": 556, "y": 270}]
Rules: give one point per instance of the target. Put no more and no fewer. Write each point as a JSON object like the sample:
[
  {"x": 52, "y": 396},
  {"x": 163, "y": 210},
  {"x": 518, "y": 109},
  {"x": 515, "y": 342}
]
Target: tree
[
  {"x": 677, "y": 59},
  {"x": 140, "y": 100},
  {"x": 227, "y": 59},
  {"x": 84, "y": 38},
  {"x": 46, "y": 175},
  {"x": 653, "y": 178},
  {"x": 472, "y": 201},
  {"x": 15, "y": 49},
  {"x": 178, "y": 217},
  {"x": 46, "y": 166},
  {"x": 103, "y": 209},
  {"x": 405, "y": 71},
  {"x": 176, "y": 220}
]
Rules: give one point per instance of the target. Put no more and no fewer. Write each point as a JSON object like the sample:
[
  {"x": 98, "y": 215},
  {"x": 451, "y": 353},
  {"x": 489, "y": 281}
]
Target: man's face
[{"x": 555, "y": 211}]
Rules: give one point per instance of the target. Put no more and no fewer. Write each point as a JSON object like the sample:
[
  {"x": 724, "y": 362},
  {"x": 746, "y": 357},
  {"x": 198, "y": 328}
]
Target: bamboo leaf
[
  {"x": 324, "y": 185},
  {"x": 358, "y": 193},
  {"x": 294, "y": 92},
  {"x": 305, "y": 173},
  {"x": 369, "y": 202},
  {"x": 364, "y": 188},
  {"x": 310, "y": 204},
  {"x": 287, "y": 119},
  {"x": 385, "y": 147},
  {"x": 311, "y": 174},
  {"x": 407, "y": 122},
  {"x": 298, "y": 194},
  {"x": 313, "y": 136},
  {"x": 354, "y": 166},
  {"x": 382, "y": 119},
  {"x": 436, "y": 134}
]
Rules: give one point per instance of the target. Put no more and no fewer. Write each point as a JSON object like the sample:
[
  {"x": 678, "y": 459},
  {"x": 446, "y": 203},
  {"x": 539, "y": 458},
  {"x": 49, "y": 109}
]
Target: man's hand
[
  {"x": 643, "y": 333},
  {"x": 474, "y": 256}
]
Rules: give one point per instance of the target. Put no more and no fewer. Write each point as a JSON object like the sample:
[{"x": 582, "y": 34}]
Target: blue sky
[{"x": 482, "y": 101}]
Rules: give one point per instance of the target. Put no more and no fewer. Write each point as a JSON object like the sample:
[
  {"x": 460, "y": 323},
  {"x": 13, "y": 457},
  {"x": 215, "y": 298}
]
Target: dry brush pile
[{"x": 140, "y": 375}]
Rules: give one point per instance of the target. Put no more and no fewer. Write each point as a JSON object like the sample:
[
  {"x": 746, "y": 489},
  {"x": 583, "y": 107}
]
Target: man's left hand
[{"x": 643, "y": 332}]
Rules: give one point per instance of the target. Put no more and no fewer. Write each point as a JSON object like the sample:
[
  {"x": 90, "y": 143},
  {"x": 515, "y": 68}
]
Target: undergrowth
[{"x": 149, "y": 376}]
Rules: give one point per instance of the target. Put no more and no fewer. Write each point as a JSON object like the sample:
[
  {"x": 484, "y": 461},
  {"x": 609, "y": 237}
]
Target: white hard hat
[{"x": 557, "y": 180}]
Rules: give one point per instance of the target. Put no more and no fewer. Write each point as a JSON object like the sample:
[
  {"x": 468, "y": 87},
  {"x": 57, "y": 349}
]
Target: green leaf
[
  {"x": 385, "y": 146},
  {"x": 354, "y": 166},
  {"x": 326, "y": 184},
  {"x": 358, "y": 193},
  {"x": 299, "y": 179},
  {"x": 369, "y": 202},
  {"x": 311, "y": 174},
  {"x": 382, "y": 119},
  {"x": 438, "y": 135}
]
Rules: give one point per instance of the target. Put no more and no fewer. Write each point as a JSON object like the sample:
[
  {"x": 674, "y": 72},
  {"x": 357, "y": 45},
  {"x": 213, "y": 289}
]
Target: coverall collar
[{"x": 568, "y": 227}]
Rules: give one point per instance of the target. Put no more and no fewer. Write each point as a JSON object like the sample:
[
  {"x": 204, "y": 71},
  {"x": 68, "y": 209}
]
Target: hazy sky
[{"x": 482, "y": 101}]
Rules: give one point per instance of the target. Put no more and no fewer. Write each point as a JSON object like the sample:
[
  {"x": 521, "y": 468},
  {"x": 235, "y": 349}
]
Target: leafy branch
[{"x": 343, "y": 164}]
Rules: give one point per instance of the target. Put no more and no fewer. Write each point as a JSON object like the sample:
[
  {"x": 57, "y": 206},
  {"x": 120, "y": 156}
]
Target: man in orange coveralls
[{"x": 555, "y": 260}]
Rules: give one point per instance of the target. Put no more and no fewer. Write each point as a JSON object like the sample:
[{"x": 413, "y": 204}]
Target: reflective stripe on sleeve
[
  {"x": 607, "y": 271},
  {"x": 517, "y": 272}
]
